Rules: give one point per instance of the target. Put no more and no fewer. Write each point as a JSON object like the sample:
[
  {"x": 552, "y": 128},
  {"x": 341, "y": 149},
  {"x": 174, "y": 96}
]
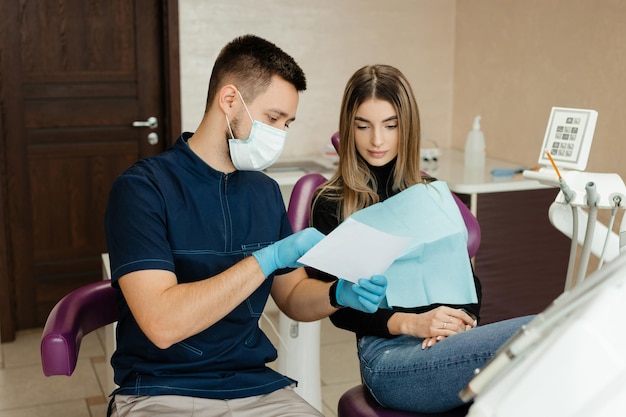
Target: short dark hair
[{"x": 249, "y": 62}]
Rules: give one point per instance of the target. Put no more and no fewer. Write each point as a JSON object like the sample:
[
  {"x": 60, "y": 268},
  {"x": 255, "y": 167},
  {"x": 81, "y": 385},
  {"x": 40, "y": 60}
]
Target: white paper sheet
[{"x": 355, "y": 250}]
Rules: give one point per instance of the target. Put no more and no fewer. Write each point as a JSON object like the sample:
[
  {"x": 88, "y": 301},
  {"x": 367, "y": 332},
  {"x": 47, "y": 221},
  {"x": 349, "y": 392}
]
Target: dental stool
[{"x": 358, "y": 402}]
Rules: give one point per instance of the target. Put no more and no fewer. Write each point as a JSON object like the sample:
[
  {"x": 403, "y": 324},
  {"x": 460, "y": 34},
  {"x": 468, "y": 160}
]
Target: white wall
[{"x": 330, "y": 39}]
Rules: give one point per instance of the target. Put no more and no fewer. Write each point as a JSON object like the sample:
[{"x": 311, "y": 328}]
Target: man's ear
[{"x": 227, "y": 99}]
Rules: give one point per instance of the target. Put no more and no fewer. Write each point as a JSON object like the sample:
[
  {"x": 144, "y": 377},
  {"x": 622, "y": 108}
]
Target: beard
[{"x": 235, "y": 125}]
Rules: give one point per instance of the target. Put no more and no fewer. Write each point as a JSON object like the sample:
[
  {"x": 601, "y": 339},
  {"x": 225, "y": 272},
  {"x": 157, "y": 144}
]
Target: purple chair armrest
[
  {"x": 75, "y": 315},
  {"x": 299, "y": 210}
]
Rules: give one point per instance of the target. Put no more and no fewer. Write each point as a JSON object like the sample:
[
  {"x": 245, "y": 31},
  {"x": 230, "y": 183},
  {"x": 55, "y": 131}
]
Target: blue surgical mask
[{"x": 262, "y": 148}]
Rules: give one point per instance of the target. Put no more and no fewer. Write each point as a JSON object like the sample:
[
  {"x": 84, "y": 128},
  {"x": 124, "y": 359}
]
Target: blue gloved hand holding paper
[
  {"x": 286, "y": 252},
  {"x": 366, "y": 295}
]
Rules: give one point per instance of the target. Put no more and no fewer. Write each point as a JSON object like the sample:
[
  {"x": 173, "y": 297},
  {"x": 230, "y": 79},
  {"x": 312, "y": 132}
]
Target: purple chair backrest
[{"x": 472, "y": 225}]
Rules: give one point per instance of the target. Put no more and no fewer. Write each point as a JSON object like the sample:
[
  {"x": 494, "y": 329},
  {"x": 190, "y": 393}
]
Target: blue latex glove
[
  {"x": 285, "y": 252},
  {"x": 365, "y": 296}
]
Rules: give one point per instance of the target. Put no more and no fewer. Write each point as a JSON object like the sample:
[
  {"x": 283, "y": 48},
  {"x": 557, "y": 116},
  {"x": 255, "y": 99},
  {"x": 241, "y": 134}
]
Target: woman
[{"x": 415, "y": 359}]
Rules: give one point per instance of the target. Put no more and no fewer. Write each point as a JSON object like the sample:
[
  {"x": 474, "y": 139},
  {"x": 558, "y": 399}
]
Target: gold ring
[{"x": 444, "y": 325}]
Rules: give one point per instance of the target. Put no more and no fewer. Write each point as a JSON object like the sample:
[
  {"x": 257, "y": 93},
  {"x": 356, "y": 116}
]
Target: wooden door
[{"x": 75, "y": 76}]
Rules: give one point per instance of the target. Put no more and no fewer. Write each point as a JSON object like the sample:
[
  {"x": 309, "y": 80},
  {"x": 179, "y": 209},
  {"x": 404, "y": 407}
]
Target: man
[{"x": 195, "y": 236}]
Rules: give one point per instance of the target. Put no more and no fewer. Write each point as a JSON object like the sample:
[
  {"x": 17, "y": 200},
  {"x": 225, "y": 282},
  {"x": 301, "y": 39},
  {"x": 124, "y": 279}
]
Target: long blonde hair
[{"x": 353, "y": 186}]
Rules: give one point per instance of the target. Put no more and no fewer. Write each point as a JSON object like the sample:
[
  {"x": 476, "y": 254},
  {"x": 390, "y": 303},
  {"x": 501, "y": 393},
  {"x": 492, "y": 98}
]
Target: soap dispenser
[{"x": 475, "y": 146}]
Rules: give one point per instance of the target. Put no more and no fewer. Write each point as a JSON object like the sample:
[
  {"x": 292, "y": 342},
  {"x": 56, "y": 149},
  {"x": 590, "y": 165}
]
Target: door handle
[{"x": 152, "y": 123}]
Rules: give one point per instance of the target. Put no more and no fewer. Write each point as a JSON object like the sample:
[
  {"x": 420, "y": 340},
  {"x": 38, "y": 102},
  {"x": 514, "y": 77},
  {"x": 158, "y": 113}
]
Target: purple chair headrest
[
  {"x": 334, "y": 139},
  {"x": 299, "y": 210}
]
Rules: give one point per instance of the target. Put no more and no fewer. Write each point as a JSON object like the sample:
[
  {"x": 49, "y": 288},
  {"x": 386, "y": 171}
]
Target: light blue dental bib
[{"x": 435, "y": 267}]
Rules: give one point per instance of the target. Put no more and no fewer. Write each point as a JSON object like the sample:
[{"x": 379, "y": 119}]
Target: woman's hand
[{"x": 432, "y": 326}]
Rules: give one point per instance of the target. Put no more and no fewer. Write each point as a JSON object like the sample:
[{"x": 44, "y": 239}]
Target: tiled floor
[{"x": 26, "y": 392}]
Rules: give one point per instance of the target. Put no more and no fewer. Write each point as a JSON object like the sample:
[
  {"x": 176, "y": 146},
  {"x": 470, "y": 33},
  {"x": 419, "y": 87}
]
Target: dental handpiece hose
[
  {"x": 622, "y": 235},
  {"x": 617, "y": 201},
  {"x": 592, "y": 203},
  {"x": 567, "y": 192}
]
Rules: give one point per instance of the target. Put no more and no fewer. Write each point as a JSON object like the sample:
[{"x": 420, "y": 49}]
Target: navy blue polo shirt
[{"x": 174, "y": 212}]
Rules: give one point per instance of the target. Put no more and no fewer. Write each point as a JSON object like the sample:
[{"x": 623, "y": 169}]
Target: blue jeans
[{"x": 402, "y": 376}]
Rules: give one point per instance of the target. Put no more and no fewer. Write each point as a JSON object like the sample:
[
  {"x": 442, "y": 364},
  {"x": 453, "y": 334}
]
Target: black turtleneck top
[
  {"x": 324, "y": 218},
  {"x": 324, "y": 213}
]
